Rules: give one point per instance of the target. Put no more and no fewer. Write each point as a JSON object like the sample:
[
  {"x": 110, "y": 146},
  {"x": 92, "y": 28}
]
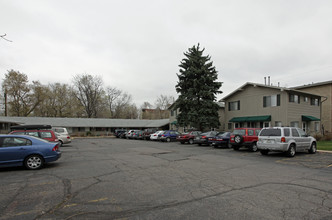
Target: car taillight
[
  {"x": 283, "y": 140},
  {"x": 68, "y": 137},
  {"x": 203, "y": 136},
  {"x": 55, "y": 148}
]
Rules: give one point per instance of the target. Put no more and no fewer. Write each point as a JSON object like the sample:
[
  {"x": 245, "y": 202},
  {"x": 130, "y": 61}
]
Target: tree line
[{"x": 85, "y": 97}]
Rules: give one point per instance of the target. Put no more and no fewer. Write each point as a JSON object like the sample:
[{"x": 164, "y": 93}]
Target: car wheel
[
  {"x": 168, "y": 140},
  {"x": 264, "y": 152},
  {"x": 191, "y": 141},
  {"x": 182, "y": 142},
  {"x": 291, "y": 151},
  {"x": 229, "y": 145},
  {"x": 253, "y": 147},
  {"x": 236, "y": 148},
  {"x": 313, "y": 148},
  {"x": 238, "y": 139},
  {"x": 60, "y": 143},
  {"x": 34, "y": 162}
]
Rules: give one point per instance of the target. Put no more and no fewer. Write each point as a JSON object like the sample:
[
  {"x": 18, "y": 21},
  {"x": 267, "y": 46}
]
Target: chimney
[
  {"x": 268, "y": 81},
  {"x": 265, "y": 80}
]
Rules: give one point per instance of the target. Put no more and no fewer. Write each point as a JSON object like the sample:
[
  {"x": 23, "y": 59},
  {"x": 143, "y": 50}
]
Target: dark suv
[{"x": 245, "y": 137}]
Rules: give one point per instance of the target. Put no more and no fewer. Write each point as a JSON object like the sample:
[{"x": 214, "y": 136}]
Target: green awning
[
  {"x": 174, "y": 123},
  {"x": 251, "y": 118},
  {"x": 309, "y": 118}
]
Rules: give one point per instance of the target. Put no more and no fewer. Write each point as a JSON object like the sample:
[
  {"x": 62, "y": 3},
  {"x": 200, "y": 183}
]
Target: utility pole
[{"x": 6, "y": 103}]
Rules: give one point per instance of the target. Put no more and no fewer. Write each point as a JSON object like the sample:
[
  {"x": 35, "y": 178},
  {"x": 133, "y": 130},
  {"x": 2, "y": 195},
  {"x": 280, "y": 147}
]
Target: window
[
  {"x": 314, "y": 101},
  {"x": 295, "y": 133},
  {"x": 286, "y": 132},
  {"x": 271, "y": 101},
  {"x": 302, "y": 133},
  {"x": 250, "y": 132},
  {"x": 271, "y": 132},
  {"x": 266, "y": 124},
  {"x": 45, "y": 134},
  {"x": 294, "y": 124},
  {"x": 294, "y": 98},
  {"x": 234, "y": 106},
  {"x": 229, "y": 126},
  {"x": 15, "y": 141},
  {"x": 306, "y": 99},
  {"x": 278, "y": 124}
]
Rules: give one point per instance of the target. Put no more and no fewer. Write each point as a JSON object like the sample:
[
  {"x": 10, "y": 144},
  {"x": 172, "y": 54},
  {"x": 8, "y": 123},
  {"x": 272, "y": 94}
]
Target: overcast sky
[{"x": 136, "y": 46}]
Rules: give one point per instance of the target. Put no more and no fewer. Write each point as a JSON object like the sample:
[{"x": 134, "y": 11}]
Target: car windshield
[
  {"x": 271, "y": 132},
  {"x": 226, "y": 134},
  {"x": 240, "y": 132}
]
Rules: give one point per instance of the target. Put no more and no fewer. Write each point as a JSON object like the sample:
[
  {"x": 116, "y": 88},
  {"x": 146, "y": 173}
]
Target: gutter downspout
[{"x": 321, "y": 109}]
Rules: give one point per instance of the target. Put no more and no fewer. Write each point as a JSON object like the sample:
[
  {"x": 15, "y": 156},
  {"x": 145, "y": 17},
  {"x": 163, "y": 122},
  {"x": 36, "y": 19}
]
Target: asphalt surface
[{"x": 131, "y": 179}]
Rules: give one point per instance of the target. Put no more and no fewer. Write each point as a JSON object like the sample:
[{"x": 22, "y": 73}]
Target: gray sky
[{"x": 137, "y": 46}]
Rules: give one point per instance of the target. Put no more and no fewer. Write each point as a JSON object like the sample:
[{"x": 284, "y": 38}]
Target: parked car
[
  {"x": 63, "y": 138},
  {"x": 188, "y": 137},
  {"x": 147, "y": 133},
  {"x": 285, "y": 139},
  {"x": 46, "y": 134},
  {"x": 203, "y": 138},
  {"x": 168, "y": 135},
  {"x": 221, "y": 139},
  {"x": 155, "y": 136},
  {"x": 28, "y": 151},
  {"x": 245, "y": 137},
  {"x": 129, "y": 134},
  {"x": 60, "y": 130},
  {"x": 119, "y": 132},
  {"x": 138, "y": 135}
]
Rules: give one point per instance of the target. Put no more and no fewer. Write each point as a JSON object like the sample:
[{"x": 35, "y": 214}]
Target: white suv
[{"x": 285, "y": 139}]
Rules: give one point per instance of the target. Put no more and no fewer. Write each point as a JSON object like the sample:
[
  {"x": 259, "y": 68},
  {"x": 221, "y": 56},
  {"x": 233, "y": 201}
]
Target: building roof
[
  {"x": 87, "y": 122},
  {"x": 313, "y": 85},
  {"x": 266, "y": 86}
]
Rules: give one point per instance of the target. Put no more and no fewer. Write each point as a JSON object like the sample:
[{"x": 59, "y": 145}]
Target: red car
[
  {"x": 188, "y": 137},
  {"x": 40, "y": 131},
  {"x": 245, "y": 137}
]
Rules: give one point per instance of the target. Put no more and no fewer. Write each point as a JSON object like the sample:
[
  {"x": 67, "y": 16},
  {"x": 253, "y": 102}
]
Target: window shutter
[
  {"x": 238, "y": 104},
  {"x": 229, "y": 106},
  {"x": 264, "y": 101},
  {"x": 278, "y": 100},
  {"x": 299, "y": 99}
]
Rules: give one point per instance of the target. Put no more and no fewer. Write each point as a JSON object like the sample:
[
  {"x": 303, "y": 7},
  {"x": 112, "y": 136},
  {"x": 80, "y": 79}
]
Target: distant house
[
  {"x": 102, "y": 126},
  {"x": 259, "y": 105},
  {"x": 148, "y": 113},
  {"x": 323, "y": 89}
]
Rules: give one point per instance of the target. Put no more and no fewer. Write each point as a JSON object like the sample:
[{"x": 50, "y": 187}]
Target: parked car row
[
  {"x": 270, "y": 139},
  {"x": 32, "y": 145}
]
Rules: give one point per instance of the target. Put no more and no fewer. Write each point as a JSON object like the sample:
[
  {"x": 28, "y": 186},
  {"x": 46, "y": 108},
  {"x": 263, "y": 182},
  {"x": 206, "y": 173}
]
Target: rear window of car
[
  {"x": 240, "y": 132},
  {"x": 271, "y": 132},
  {"x": 45, "y": 134}
]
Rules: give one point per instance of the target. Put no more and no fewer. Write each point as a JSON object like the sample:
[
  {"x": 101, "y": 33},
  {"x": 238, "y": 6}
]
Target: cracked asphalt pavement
[{"x": 130, "y": 179}]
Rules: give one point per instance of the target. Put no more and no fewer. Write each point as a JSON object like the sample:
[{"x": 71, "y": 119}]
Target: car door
[
  {"x": 13, "y": 149},
  {"x": 305, "y": 139},
  {"x": 298, "y": 139}
]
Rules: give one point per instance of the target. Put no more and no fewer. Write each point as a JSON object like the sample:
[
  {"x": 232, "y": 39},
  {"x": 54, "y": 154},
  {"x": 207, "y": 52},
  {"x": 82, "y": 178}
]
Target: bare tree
[
  {"x": 3, "y": 37},
  {"x": 164, "y": 101},
  {"x": 112, "y": 94},
  {"x": 88, "y": 90}
]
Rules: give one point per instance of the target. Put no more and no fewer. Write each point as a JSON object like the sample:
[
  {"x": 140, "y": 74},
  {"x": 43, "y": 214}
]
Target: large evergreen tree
[{"x": 197, "y": 88}]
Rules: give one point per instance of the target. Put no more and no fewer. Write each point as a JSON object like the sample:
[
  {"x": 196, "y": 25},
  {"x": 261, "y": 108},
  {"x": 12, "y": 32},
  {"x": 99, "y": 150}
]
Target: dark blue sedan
[
  {"x": 221, "y": 139},
  {"x": 28, "y": 151}
]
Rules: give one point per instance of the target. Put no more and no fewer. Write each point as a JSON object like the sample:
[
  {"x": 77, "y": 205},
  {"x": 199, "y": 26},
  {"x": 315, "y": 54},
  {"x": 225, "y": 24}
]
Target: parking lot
[{"x": 111, "y": 178}]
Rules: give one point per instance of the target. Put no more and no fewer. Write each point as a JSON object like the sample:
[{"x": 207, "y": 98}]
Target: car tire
[
  {"x": 264, "y": 152},
  {"x": 238, "y": 139},
  {"x": 191, "y": 141},
  {"x": 313, "y": 148},
  {"x": 291, "y": 151},
  {"x": 182, "y": 142},
  {"x": 253, "y": 147},
  {"x": 34, "y": 162},
  {"x": 229, "y": 145},
  {"x": 60, "y": 143},
  {"x": 168, "y": 140}
]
